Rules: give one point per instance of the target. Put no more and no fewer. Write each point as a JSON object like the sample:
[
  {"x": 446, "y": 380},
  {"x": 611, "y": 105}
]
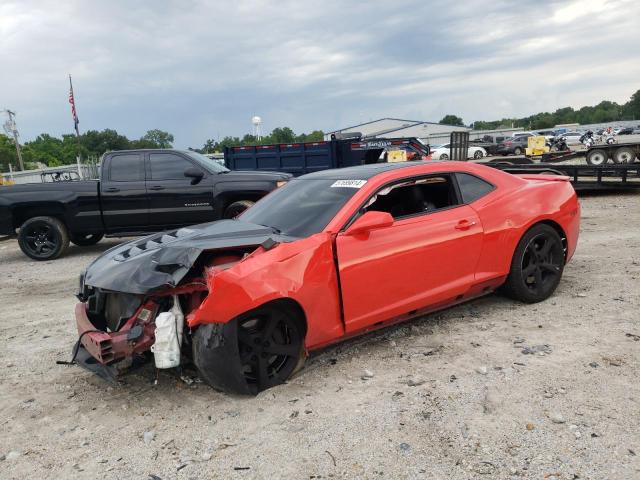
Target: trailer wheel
[
  {"x": 43, "y": 238},
  {"x": 597, "y": 157},
  {"x": 624, "y": 155},
  {"x": 236, "y": 208}
]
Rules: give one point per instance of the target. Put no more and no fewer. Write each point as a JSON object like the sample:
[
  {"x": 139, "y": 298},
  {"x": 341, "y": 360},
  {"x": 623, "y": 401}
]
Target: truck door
[
  {"x": 175, "y": 199},
  {"x": 123, "y": 193}
]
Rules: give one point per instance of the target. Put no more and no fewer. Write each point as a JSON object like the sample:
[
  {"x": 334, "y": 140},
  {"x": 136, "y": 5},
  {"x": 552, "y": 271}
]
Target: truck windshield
[
  {"x": 301, "y": 208},
  {"x": 208, "y": 164}
]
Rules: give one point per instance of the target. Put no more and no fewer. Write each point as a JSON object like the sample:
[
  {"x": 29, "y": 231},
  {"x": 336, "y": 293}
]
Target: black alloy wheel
[
  {"x": 86, "y": 239},
  {"x": 537, "y": 265},
  {"x": 43, "y": 238},
  {"x": 270, "y": 343},
  {"x": 236, "y": 208}
]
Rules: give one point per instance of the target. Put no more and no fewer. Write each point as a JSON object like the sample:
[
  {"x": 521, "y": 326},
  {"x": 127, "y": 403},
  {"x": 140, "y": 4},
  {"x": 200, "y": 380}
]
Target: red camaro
[{"x": 328, "y": 256}]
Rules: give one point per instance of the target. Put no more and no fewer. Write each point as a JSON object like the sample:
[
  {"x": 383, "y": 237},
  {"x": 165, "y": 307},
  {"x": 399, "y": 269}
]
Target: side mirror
[
  {"x": 370, "y": 221},
  {"x": 195, "y": 174}
]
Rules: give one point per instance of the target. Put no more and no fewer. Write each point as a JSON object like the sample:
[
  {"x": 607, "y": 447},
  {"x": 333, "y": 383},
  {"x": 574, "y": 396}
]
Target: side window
[
  {"x": 421, "y": 195},
  {"x": 168, "y": 166},
  {"x": 472, "y": 187},
  {"x": 126, "y": 168}
]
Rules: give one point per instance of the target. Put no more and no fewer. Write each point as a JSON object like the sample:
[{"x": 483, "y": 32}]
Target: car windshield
[
  {"x": 303, "y": 207},
  {"x": 207, "y": 163}
]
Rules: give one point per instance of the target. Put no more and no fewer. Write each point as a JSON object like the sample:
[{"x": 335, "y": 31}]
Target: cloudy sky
[{"x": 202, "y": 69}]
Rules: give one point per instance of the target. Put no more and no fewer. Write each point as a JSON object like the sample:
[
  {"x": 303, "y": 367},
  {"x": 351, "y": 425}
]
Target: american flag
[{"x": 74, "y": 114}]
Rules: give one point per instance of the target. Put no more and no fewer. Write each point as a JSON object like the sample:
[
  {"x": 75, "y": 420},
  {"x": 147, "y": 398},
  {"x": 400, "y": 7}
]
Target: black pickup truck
[{"x": 140, "y": 191}]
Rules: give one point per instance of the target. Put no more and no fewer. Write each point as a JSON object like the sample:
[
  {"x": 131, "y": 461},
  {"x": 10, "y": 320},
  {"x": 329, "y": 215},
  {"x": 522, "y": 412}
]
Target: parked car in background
[
  {"x": 443, "y": 152},
  {"x": 625, "y": 131},
  {"x": 524, "y": 134},
  {"x": 138, "y": 191},
  {"x": 487, "y": 143},
  {"x": 329, "y": 256},
  {"x": 513, "y": 146},
  {"x": 572, "y": 138}
]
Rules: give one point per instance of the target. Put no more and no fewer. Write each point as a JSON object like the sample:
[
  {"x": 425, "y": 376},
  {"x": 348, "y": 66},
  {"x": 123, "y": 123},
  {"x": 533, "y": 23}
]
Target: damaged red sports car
[{"x": 329, "y": 256}]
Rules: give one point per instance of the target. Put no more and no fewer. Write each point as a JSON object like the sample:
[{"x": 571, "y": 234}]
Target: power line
[{"x": 11, "y": 129}]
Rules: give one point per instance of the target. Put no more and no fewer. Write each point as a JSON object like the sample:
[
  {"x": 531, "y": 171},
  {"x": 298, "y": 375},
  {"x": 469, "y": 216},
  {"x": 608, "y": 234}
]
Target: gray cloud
[{"x": 202, "y": 69}]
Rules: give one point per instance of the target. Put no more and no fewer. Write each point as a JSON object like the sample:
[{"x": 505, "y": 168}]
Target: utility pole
[{"x": 11, "y": 129}]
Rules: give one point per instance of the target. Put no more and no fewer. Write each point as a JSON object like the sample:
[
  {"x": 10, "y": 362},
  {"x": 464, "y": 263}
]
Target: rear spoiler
[{"x": 544, "y": 177}]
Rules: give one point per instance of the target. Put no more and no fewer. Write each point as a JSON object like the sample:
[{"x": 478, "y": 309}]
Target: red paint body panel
[{"x": 346, "y": 284}]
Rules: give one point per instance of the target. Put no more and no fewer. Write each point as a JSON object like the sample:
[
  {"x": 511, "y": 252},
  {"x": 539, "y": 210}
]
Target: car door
[
  {"x": 427, "y": 257},
  {"x": 123, "y": 194},
  {"x": 175, "y": 199}
]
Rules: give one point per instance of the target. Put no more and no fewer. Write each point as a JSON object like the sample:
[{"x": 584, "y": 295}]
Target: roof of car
[{"x": 361, "y": 172}]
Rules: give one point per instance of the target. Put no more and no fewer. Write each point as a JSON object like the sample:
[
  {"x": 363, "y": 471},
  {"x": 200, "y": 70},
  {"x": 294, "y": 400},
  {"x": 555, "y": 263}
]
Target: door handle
[
  {"x": 112, "y": 189},
  {"x": 156, "y": 187},
  {"x": 464, "y": 225}
]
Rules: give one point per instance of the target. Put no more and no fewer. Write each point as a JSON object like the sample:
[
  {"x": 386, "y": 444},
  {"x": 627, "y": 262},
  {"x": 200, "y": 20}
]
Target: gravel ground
[{"x": 489, "y": 389}]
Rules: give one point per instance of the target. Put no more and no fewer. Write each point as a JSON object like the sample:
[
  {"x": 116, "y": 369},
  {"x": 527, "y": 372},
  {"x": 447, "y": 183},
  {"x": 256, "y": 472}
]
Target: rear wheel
[
  {"x": 517, "y": 151},
  {"x": 624, "y": 155},
  {"x": 43, "y": 238},
  {"x": 597, "y": 157},
  {"x": 444, "y": 156},
  {"x": 537, "y": 265},
  {"x": 86, "y": 239},
  {"x": 477, "y": 154},
  {"x": 236, "y": 208},
  {"x": 263, "y": 348}
]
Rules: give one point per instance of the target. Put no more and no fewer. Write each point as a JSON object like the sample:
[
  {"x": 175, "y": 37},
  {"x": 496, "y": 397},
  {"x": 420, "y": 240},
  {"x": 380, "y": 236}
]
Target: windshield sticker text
[{"x": 348, "y": 183}]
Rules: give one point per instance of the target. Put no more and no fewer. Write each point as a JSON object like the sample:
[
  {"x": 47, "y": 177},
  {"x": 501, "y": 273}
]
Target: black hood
[{"x": 163, "y": 259}]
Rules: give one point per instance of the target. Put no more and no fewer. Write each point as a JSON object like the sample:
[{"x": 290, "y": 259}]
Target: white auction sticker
[{"x": 349, "y": 183}]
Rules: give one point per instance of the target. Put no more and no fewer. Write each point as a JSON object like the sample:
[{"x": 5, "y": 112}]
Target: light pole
[{"x": 11, "y": 129}]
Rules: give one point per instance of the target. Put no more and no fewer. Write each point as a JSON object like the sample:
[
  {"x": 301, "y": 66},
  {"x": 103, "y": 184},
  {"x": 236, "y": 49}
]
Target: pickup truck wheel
[
  {"x": 86, "y": 239},
  {"x": 43, "y": 238},
  {"x": 236, "y": 208},
  {"x": 537, "y": 265}
]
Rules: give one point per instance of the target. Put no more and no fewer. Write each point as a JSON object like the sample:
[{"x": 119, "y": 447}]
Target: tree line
[
  {"x": 56, "y": 151},
  {"x": 603, "y": 112}
]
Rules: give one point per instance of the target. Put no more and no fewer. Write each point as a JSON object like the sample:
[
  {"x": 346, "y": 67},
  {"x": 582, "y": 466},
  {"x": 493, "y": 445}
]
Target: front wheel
[
  {"x": 444, "y": 156},
  {"x": 256, "y": 351},
  {"x": 537, "y": 265},
  {"x": 86, "y": 239},
  {"x": 43, "y": 238},
  {"x": 236, "y": 208},
  {"x": 517, "y": 151},
  {"x": 477, "y": 154}
]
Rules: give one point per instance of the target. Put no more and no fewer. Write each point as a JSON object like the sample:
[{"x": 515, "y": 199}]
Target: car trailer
[{"x": 583, "y": 177}]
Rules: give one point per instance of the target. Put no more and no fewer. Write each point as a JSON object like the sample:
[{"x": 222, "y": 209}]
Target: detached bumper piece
[{"x": 108, "y": 348}]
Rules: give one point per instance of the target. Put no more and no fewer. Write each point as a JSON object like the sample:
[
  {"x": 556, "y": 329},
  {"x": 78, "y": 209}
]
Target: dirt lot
[{"x": 452, "y": 395}]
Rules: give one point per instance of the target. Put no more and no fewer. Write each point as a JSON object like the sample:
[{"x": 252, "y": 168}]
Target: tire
[
  {"x": 597, "y": 157},
  {"x": 517, "y": 151},
  {"x": 537, "y": 265},
  {"x": 444, "y": 156},
  {"x": 256, "y": 351},
  {"x": 43, "y": 238},
  {"x": 624, "y": 155},
  {"x": 86, "y": 239},
  {"x": 477, "y": 154},
  {"x": 236, "y": 208}
]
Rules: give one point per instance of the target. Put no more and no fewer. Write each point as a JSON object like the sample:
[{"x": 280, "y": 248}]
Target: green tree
[
  {"x": 451, "y": 120},
  {"x": 8, "y": 155},
  {"x": 156, "y": 139}
]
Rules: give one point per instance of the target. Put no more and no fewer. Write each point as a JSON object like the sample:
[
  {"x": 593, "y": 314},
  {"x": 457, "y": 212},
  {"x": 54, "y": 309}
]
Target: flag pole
[{"x": 74, "y": 113}]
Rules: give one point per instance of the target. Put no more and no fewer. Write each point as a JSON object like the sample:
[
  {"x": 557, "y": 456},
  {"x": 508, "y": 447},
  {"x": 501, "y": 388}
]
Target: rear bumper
[{"x": 136, "y": 336}]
